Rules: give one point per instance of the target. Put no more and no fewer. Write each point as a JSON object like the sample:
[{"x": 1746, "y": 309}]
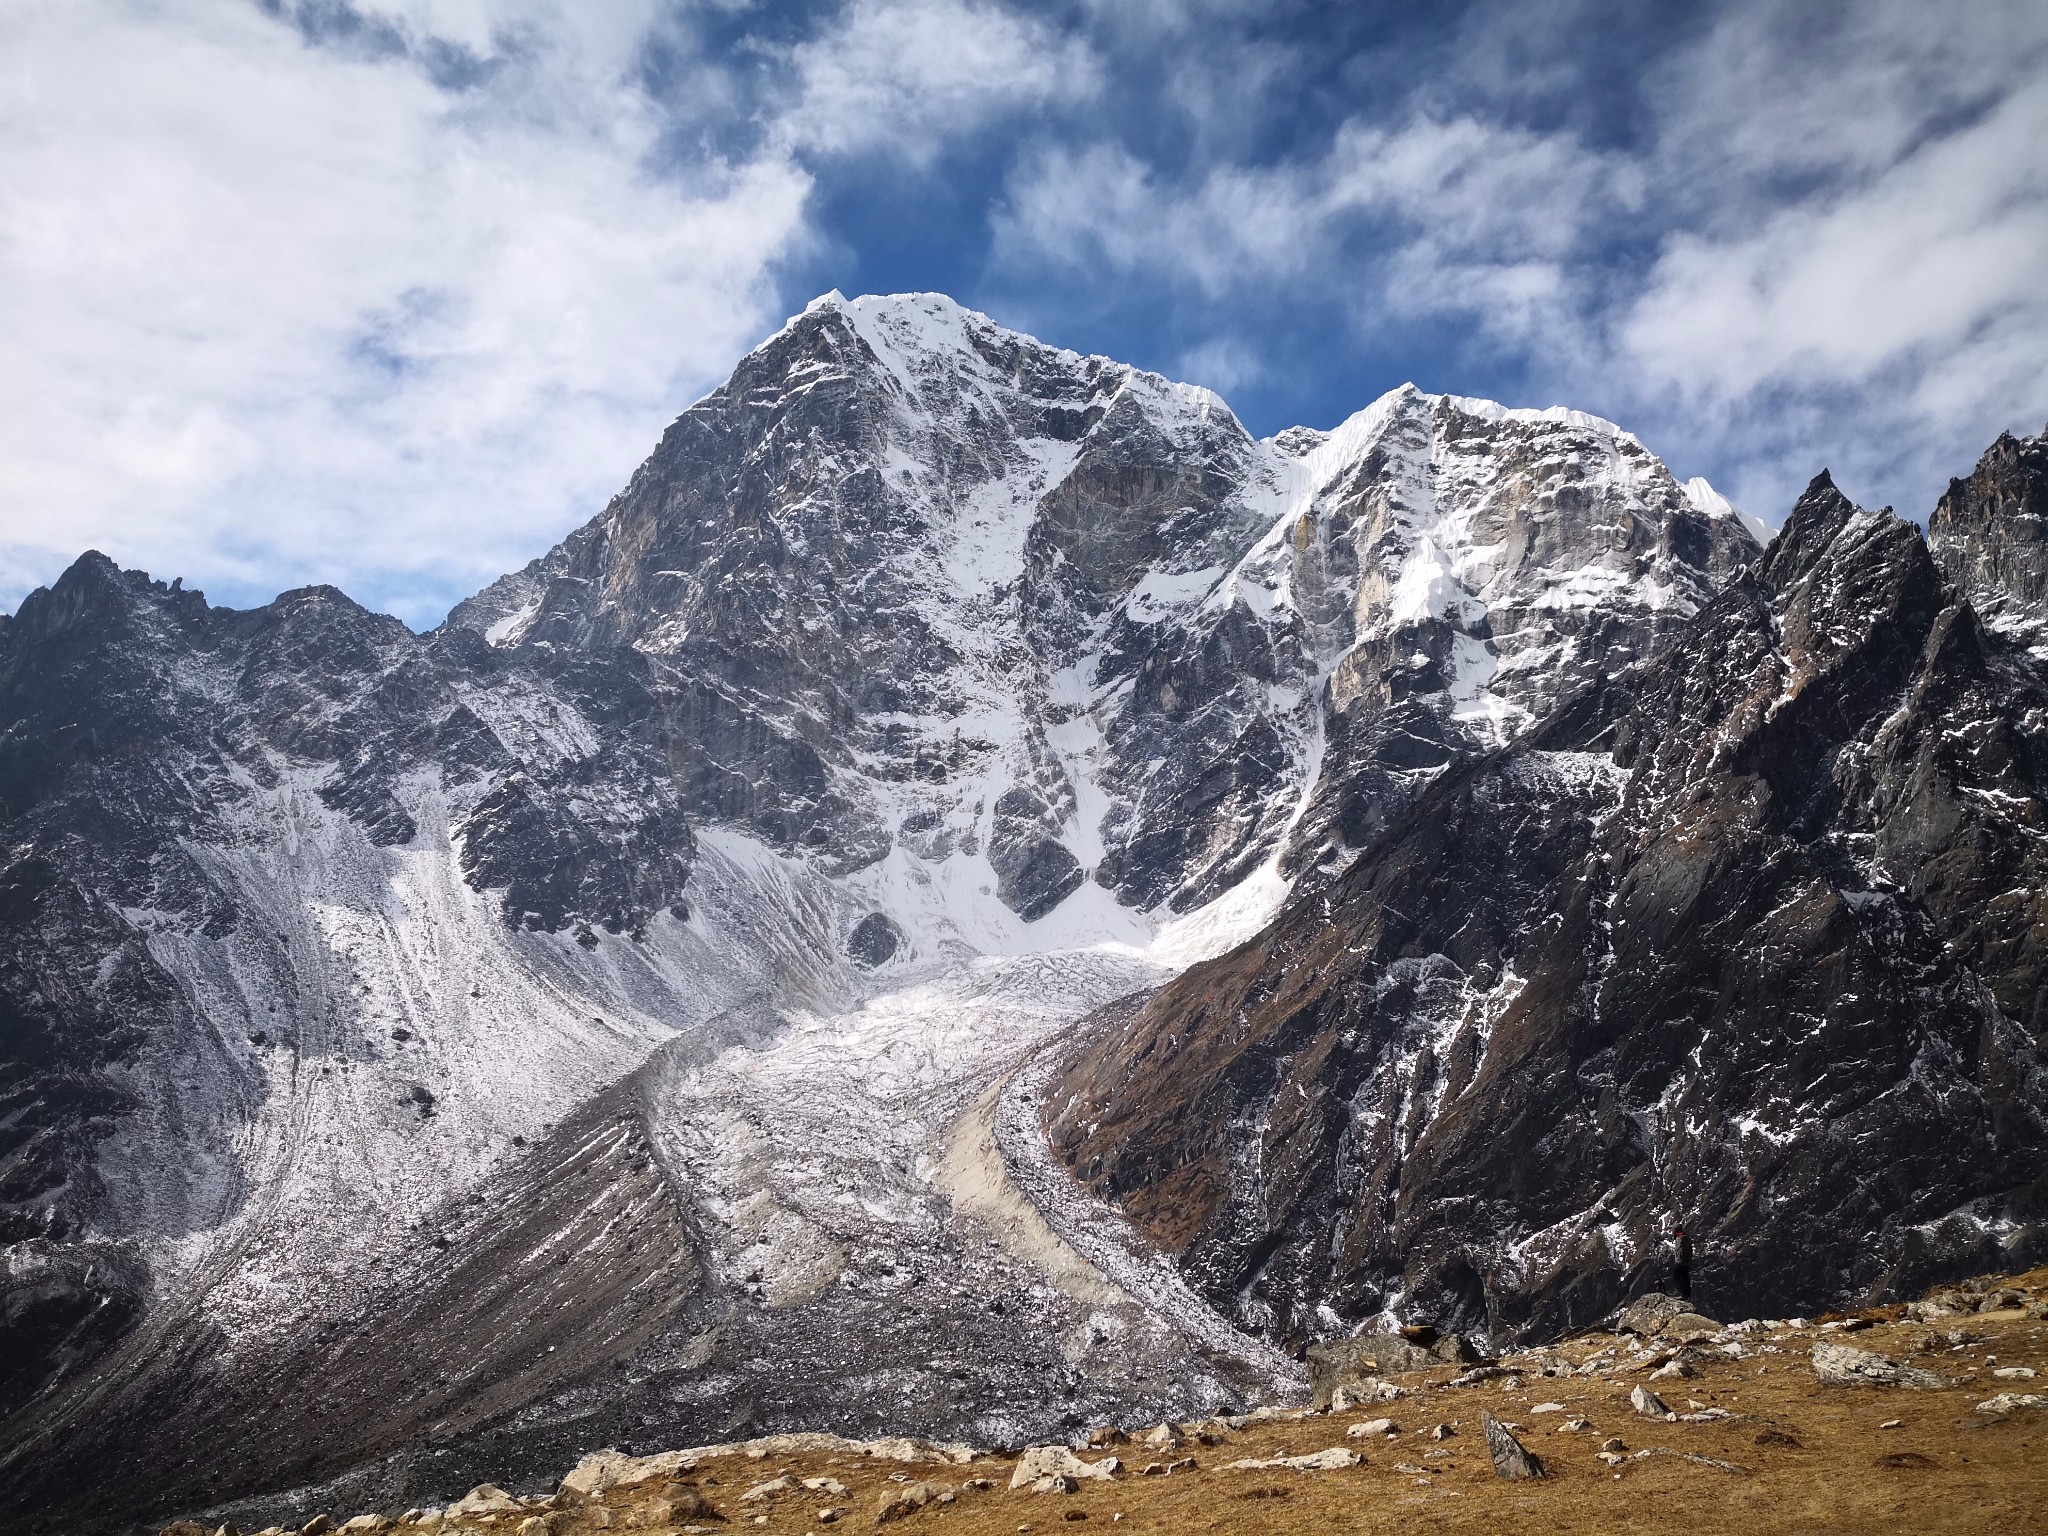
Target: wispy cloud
[
  {"x": 276, "y": 311},
  {"x": 907, "y": 76},
  {"x": 1895, "y": 304}
]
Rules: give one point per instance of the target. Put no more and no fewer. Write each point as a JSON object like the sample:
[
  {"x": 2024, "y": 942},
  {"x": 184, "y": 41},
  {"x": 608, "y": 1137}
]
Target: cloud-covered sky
[{"x": 394, "y": 293}]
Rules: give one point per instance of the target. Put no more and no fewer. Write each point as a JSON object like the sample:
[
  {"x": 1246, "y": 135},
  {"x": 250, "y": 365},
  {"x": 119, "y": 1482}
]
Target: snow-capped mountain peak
[{"x": 926, "y": 687}]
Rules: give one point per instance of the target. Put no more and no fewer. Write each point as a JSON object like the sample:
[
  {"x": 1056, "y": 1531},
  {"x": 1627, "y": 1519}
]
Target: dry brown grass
[{"x": 1945, "y": 1469}]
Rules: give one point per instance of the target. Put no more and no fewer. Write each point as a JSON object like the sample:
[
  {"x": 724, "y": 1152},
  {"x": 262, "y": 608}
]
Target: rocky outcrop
[
  {"x": 1843, "y": 1365},
  {"x": 905, "y": 1501},
  {"x": 1655, "y": 1315},
  {"x": 1055, "y": 1469},
  {"x": 1989, "y": 535},
  {"x": 1750, "y": 936}
]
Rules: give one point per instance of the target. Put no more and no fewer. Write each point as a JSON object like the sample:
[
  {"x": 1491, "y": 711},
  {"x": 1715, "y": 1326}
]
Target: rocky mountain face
[
  {"x": 1989, "y": 534},
  {"x": 1749, "y": 936},
  {"x": 913, "y": 592},
  {"x": 623, "y": 1015}
]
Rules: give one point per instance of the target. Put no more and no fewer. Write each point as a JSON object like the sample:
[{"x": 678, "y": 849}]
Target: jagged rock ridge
[
  {"x": 1989, "y": 533},
  {"x": 1750, "y": 936}
]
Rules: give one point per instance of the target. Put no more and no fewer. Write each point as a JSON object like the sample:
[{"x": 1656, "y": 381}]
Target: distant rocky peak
[
  {"x": 1514, "y": 529},
  {"x": 1844, "y": 578},
  {"x": 911, "y": 582},
  {"x": 94, "y": 593},
  {"x": 1817, "y": 517},
  {"x": 1702, "y": 496}
]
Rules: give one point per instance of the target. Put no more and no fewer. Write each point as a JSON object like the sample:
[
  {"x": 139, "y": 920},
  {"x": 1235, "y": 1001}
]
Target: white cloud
[
  {"x": 1853, "y": 273},
  {"x": 271, "y": 312},
  {"x": 1458, "y": 215},
  {"x": 906, "y": 75},
  {"x": 1102, "y": 207},
  {"x": 1223, "y": 363},
  {"x": 1933, "y": 263},
  {"x": 1825, "y": 246}
]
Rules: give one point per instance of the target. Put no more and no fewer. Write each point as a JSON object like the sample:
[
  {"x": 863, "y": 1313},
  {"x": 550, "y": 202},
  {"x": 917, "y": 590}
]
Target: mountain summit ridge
[{"x": 1152, "y": 532}]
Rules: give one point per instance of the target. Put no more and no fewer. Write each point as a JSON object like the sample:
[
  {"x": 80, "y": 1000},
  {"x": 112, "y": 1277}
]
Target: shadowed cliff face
[{"x": 1750, "y": 937}]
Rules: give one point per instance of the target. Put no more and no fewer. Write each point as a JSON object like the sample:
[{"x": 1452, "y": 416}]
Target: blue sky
[{"x": 394, "y": 293}]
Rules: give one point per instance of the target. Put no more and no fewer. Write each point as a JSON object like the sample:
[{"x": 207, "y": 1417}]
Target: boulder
[
  {"x": 1648, "y": 1404},
  {"x": 2012, "y": 1402},
  {"x": 1334, "y": 1459},
  {"x": 595, "y": 1473},
  {"x": 1364, "y": 1392},
  {"x": 1050, "y": 1463},
  {"x": 1356, "y": 1365},
  {"x": 483, "y": 1499},
  {"x": 830, "y": 1486},
  {"x": 1940, "y": 1304},
  {"x": 1373, "y": 1427},
  {"x": 906, "y": 1499},
  {"x": 769, "y": 1489},
  {"x": 887, "y": 1448},
  {"x": 1654, "y": 1315},
  {"x": 1510, "y": 1459},
  {"x": 1846, "y": 1365}
]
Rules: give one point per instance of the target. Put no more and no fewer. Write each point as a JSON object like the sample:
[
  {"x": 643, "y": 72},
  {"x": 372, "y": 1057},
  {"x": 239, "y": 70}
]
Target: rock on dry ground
[{"x": 1510, "y": 1459}]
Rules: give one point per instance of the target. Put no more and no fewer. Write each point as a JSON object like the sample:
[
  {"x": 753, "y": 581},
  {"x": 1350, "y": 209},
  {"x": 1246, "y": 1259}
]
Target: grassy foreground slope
[{"x": 1755, "y": 1443}]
